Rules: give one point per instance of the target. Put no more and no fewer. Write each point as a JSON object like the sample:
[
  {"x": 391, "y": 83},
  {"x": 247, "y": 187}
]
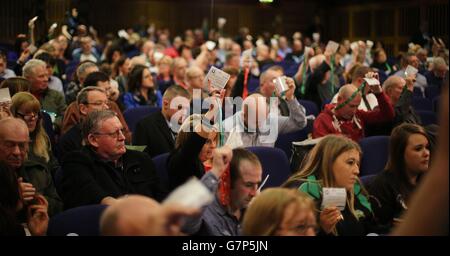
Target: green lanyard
[
  {"x": 221, "y": 130},
  {"x": 360, "y": 89},
  {"x": 305, "y": 67},
  {"x": 388, "y": 68}
]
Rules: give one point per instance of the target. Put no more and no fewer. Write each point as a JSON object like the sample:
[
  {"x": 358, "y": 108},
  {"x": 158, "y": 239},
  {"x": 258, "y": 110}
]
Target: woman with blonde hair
[
  {"x": 280, "y": 212},
  {"x": 26, "y": 107},
  {"x": 334, "y": 163}
]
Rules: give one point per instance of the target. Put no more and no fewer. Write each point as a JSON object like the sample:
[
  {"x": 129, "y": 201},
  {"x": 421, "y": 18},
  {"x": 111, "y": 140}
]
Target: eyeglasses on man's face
[
  {"x": 98, "y": 103},
  {"x": 114, "y": 135}
]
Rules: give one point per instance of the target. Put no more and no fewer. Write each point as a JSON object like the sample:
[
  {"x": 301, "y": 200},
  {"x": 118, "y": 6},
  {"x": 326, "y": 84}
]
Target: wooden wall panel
[{"x": 392, "y": 22}]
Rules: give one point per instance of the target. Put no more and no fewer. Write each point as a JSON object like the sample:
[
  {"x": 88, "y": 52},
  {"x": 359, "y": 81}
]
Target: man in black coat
[
  {"x": 104, "y": 169},
  {"x": 156, "y": 131},
  {"x": 90, "y": 98}
]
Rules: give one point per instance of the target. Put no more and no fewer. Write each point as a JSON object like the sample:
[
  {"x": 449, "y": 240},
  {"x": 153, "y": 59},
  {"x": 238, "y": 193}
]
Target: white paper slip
[
  {"x": 4, "y": 95},
  {"x": 411, "y": 71},
  {"x": 369, "y": 44},
  {"x": 332, "y": 46},
  {"x": 191, "y": 194},
  {"x": 316, "y": 37},
  {"x": 354, "y": 46},
  {"x": 372, "y": 81},
  {"x": 334, "y": 197},
  {"x": 307, "y": 51},
  {"x": 210, "y": 45},
  {"x": 263, "y": 183},
  {"x": 307, "y": 142},
  {"x": 217, "y": 77},
  {"x": 33, "y": 19}
]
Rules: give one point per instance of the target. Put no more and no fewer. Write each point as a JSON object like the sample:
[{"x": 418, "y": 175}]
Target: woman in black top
[
  {"x": 196, "y": 140},
  {"x": 409, "y": 157}
]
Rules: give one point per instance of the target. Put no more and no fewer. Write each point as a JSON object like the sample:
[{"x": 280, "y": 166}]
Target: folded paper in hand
[
  {"x": 217, "y": 77},
  {"x": 372, "y": 81},
  {"x": 334, "y": 197},
  {"x": 307, "y": 142},
  {"x": 411, "y": 71},
  {"x": 191, "y": 194},
  {"x": 332, "y": 46},
  {"x": 4, "y": 95}
]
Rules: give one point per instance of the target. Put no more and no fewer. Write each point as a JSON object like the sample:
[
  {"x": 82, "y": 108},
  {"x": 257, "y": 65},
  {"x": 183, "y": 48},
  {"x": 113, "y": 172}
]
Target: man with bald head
[
  {"x": 369, "y": 100},
  {"x": 255, "y": 125},
  {"x": 400, "y": 93},
  {"x": 34, "y": 178},
  {"x": 345, "y": 118},
  {"x": 137, "y": 215}
]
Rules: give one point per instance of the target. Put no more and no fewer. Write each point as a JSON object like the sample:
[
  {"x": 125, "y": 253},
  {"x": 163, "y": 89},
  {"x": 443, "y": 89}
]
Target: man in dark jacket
[
  {"x": 89, "y": 99},
  {"x": 157, "y": 131},
  {"x": 104, "y": 169},
  {"x": 34, "y": 178}
]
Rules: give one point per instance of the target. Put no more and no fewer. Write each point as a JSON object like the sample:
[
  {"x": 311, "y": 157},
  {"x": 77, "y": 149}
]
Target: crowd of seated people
[{"x": 66, "y": 139}]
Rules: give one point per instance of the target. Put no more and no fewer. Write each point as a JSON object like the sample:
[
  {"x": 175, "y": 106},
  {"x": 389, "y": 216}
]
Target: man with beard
[{"x": 104, "y": 169}]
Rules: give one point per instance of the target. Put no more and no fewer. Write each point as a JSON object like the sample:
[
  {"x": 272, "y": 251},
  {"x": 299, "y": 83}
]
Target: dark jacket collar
[{"x": 127, "y": 160}]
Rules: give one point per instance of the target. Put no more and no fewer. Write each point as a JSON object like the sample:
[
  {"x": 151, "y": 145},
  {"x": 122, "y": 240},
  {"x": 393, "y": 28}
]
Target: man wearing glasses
[
  {"x": 33, "y": 177},
  {"x": 89, "y": 99},
  {"x": 73, "y": 116},
  {"x": 104, "y": 169}
]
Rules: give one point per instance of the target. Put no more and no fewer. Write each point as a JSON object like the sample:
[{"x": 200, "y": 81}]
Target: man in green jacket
[{"x": 33, "y": 177}]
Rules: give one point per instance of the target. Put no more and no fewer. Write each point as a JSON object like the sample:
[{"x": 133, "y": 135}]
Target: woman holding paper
[
  {"x": 196, "y": 140},
  {"x": 409, "y": 158},
  {"x": 333, "y": 166}
]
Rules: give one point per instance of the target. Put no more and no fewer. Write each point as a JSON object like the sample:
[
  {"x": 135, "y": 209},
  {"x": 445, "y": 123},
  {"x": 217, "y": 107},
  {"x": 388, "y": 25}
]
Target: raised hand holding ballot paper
[
  {"x": 217, "y": 77},
  {"x": 332, "y": 47}
]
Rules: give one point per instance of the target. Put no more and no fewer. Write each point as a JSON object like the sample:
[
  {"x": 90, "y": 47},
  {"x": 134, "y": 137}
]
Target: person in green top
[{"x": 334, "y": 162}]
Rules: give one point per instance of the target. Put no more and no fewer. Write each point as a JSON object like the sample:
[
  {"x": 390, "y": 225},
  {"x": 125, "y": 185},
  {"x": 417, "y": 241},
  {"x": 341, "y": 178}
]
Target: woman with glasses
[
  {"x": 280, "y": 212},
  {"x": 26, "y": 107},
  {"x": 334, "y": 163},
  {"x": 142, "y": 89},
  {"x": 409, "y": 158}
]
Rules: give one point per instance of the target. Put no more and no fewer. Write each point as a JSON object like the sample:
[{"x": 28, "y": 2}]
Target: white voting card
[
  {"x": 332, "y": 46},
  {"x": 217, "y": 77},
  {"x": 334, "y": 197},
  {"x": 411, "y": 71},
  {"x": 191, "y": 194},
  {"x": 372, "y": 81},
  {"x": 4, "y": 95}
]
